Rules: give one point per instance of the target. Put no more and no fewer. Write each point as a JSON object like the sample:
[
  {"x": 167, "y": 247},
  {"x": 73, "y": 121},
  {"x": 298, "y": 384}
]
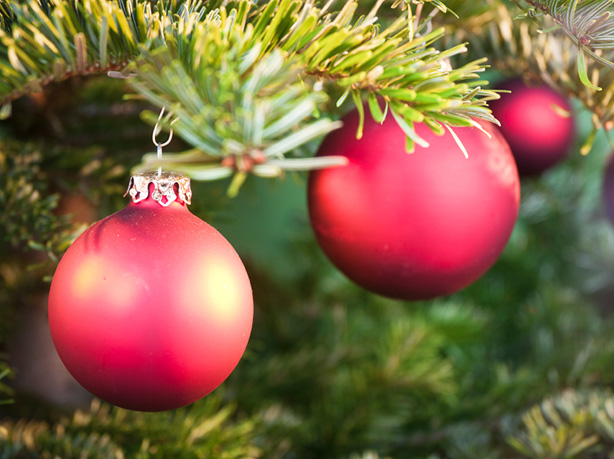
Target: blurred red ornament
[
  {"x": 414, "y": 226},
  {"x": 538, "y": 134},
  {"x": 151, "y": 308}
]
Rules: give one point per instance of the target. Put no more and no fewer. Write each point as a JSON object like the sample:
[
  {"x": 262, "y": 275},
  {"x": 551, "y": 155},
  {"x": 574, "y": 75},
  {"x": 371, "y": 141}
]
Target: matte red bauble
[
  {"x": 538, "y": 136},
  {"x": 151, "y": 308},
  {"x": 413, "y": 226}
]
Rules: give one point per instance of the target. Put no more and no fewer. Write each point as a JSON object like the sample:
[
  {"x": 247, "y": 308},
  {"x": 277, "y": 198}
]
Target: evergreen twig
[
  {"x": 177, "y": 63},
  {"x": 206, "y": 429},
  {"x": 588, "y": 23},
  {"x": 228, "y": 103},
  {"x": 567, "y": 425},
  {"x": 518, "y": 48}
]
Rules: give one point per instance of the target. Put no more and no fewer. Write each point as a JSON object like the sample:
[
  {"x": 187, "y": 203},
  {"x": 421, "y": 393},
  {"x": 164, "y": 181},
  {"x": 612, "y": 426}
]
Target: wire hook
[{"x": 155, "y": 133}]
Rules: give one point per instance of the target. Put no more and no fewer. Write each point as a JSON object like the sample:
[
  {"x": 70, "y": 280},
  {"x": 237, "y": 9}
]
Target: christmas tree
[{"x": 513, "y": 361}]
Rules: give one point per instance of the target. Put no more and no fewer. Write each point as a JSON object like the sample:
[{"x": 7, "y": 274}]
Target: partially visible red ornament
[
  {"x": 538, "y": 135},
  {"x": 413, "y": 226},
  {"x": 151, "y": 308}
]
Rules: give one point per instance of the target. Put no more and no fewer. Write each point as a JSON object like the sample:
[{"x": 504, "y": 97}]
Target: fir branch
[
  {"x": 403, "y": 68},
  {"x": 30, "y": 220},
  {"x": 222, "y": 81},
  {"x": 236, "y": 114},
  {"x": 567, "y": 425},
  {"x": 222, "y": 71},
  {"x": 206, "y": 429},
  {"x": 52, "y": 40},
  {"x": 518, "y": 48},
  {"x": 588, "y": 23},
  {"x": 42, "y": 42}
]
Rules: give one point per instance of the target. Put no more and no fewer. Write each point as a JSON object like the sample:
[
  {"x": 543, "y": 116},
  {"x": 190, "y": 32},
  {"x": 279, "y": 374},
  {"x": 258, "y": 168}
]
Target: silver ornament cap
[{"x": 168, "y": 187}]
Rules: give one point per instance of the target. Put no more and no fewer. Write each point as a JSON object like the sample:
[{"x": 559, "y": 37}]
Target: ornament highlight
[
  {"x": 413, "y": 226},
  {"x": 151, "y": 308},
  {"x": 538, "y": 134}
]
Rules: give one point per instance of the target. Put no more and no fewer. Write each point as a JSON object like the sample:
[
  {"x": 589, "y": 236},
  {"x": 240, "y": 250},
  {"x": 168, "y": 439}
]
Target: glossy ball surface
[
  {"x": 538, "y": 136},
  {"x": 413, "y": 226},
  {"x": 151, "y": 308}
]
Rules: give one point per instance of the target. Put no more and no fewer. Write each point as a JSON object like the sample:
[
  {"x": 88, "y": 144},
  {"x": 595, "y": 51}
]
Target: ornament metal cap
[{"x": 163, "y": 191}]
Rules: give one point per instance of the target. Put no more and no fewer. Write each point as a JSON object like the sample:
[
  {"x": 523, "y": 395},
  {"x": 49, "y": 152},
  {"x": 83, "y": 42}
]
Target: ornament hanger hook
[{"x": 156, "y": 131}]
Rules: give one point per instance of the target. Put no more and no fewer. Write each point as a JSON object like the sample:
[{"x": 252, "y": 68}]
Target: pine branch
[
  {"x": 54, "y": 40},
  {"x": 518, "y": 48},
  {"x": 30, "y": 220},
  {"x": 588, "y": 23},
  {"x": 245, "y": 81},
  {"x": 205, "y": 429},
  {"x": 42, "y": 41},
  {"x": 242, "y": 111},
  {"x": 571, "y": 424},
  {"x": 229, "y": 104},
  {"x": 399, "y": 64}
]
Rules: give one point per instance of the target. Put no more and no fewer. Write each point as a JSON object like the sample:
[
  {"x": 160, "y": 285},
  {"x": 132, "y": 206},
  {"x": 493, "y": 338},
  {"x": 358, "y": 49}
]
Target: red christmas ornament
[
  {"x": 413, "y": 226},
  {"x": 538, "y": 136},
  {"x": 151, "y": 308}
]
